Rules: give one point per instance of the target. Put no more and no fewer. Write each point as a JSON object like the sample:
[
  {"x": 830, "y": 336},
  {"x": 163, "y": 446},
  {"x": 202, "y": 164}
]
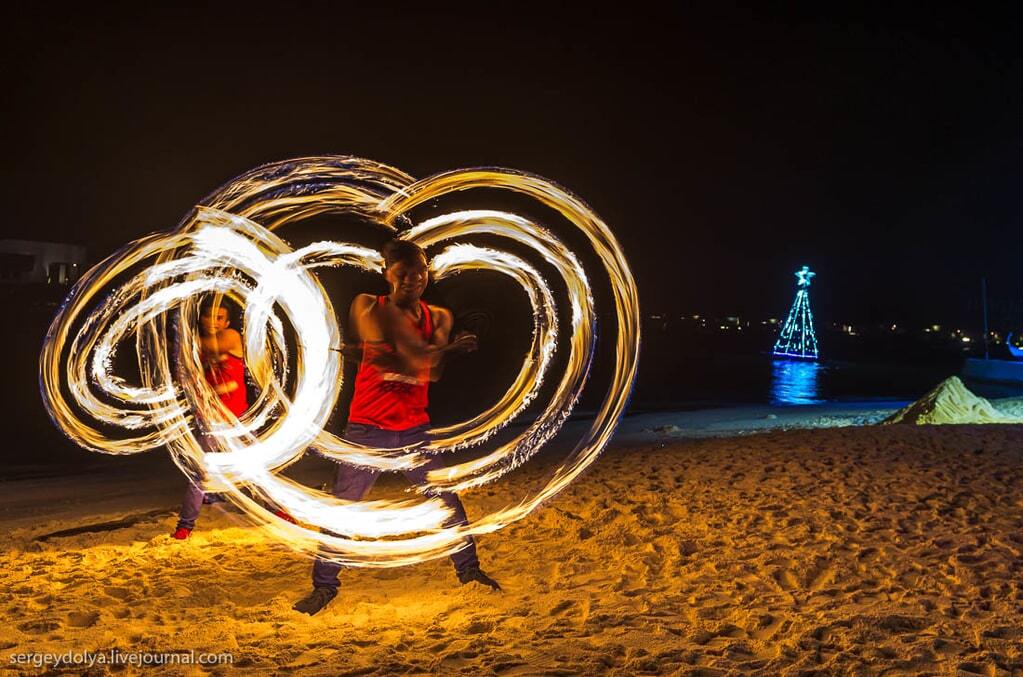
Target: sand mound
[
  {"x": 950, "y": 402},
  {"x": 1010, "y": 406}
]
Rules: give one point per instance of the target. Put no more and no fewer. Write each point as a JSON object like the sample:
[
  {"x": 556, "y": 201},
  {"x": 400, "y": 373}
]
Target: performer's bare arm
[
  {"x": 388, "y": 323},
  {"x": 463, "y": 342},
  {"x": 351, "y": 342},
  {"x": 359, "y": 324},
  {"x": 364, "y": 326}
]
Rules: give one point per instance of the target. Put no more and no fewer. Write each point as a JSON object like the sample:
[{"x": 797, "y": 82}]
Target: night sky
[{"x": 725, "y": 147}]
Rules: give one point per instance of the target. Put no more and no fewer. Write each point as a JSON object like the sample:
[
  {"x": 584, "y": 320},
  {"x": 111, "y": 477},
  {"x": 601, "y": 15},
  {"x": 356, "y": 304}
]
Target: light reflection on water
[{"x": 794, "y": 382}]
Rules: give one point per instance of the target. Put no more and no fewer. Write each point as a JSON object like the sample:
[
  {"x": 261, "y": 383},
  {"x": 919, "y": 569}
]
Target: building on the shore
[{"x": 34, "y": 262}]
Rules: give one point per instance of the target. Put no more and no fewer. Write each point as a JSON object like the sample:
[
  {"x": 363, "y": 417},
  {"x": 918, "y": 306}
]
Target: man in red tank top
[
  {"x": 404, "y": 342},
  {"x": 225, "y": 371}
]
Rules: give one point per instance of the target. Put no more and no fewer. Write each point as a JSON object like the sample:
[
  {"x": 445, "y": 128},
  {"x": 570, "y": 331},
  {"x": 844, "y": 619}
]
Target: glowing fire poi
[{"x": 221, "y": 248}]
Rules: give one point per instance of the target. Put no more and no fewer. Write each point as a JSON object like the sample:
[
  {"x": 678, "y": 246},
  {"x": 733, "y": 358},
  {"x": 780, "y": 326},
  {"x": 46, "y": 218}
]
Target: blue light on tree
[{"x": 797, "y": 338}]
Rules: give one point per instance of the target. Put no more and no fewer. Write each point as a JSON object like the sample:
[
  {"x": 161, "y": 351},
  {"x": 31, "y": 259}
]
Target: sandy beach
[{"x": 868, "y": 550}]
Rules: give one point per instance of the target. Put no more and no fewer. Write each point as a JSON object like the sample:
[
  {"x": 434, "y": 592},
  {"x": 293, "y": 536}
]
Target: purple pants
[
  {"x": 190, "y": 506},
  {"x": 353, "y": 484},
  {"x": 193, "y": 502}
]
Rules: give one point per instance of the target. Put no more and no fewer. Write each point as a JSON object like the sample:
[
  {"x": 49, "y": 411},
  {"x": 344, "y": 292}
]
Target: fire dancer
[
  {"x": 221, "y": 348},
  {"x": 404, "y": 342}
]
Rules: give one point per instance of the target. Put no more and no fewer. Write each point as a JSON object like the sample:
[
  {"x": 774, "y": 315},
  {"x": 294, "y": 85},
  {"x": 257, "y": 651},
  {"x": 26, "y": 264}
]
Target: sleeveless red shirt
[
  {"x": 231, "y": 369},
  {"x": 387, "y": 400}
]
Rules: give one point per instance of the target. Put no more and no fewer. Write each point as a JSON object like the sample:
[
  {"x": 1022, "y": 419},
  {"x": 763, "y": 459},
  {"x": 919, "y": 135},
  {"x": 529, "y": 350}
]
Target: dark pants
[
  {"x": 193, "y": 501},
  {"x": 353, "y": 484},
  {"x": 190, "y": 506}
]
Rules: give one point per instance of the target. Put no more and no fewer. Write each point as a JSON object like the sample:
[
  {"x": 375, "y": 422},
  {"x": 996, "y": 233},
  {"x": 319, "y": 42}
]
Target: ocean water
[{"x": 722, "y": 380}]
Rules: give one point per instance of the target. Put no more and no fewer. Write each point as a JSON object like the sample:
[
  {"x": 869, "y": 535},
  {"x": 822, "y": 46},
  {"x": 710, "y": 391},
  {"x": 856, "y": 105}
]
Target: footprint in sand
[
  {"x": 767, "y": 627},
  {"x": 830, "y": 634},
  {"x": 786, "y": 579},
  {"x": 118, "y": 593},
  {"x": 38, "y": 627},
  {"x": 562, "y": 607},
  {"x": 899, "y": 624},
  {"x": 702, "y": 637},
  {"x": 731, "y": 631},
  {"x": 82, "y": 619},
  {"x": 506, "y": 663},
  {"x": 819, "y": 578},
  {"x": 479, "y": 627},
  {"x": 1005, "y": 632},
  {"x": 724, "y": 636},
  {"x": 947, "y": 646},
  {"x": 43, "y": 601}
]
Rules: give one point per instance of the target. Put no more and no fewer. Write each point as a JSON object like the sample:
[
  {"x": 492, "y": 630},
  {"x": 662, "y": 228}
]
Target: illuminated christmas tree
[{"x": 797, "y": 338}]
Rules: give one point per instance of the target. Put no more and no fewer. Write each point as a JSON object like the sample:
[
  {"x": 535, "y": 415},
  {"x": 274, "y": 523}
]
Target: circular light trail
[{"x": 149, "y": 293}]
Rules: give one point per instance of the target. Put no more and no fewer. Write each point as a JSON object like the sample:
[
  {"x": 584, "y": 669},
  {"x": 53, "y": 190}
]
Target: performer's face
[
  {"x": 214, "y": 323},
  {"x": 408, "y": 279}
]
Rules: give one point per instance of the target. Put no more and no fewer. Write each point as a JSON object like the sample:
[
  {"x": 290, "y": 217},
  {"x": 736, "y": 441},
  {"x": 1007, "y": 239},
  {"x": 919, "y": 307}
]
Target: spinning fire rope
[{"x": 228, "y": 247}]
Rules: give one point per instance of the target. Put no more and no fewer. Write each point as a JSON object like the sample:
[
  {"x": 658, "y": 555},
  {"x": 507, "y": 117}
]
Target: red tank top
[
  {"x": 385, "y": 399},
  {"x": 231, "y": 369}
]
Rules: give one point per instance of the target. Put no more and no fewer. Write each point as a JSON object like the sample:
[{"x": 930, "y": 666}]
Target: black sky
[{"x": 724, "y": 146}]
